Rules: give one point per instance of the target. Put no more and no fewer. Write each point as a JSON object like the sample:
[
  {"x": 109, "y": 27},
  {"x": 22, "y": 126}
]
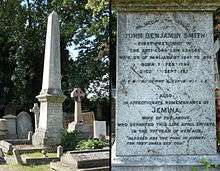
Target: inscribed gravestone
[
  {"x": 165, "y": 101},
  {"x": 24, "y": 125}
]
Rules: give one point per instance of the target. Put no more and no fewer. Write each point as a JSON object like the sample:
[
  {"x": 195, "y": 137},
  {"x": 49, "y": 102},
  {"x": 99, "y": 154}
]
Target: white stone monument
[
  {"x": 165, "y": 102},
  {"x": 51, "y": 97},
  {"x": 78, "y": 124},
  {"x": 77, "y": 94},
  {"x": 36, "y": 111}
]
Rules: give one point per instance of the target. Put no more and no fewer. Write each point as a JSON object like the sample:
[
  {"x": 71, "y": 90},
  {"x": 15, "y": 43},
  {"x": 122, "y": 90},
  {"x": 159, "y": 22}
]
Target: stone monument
[
  {"x": 24, "y": 125},
  {"x": 78, "y": 124},
  {"x": 36, "y": 111},
  {"x": 77, "y": 94},
  {"x": 11, "y": 126},
  {"x": 165, "y": 102},
  {"x": 51, "y": 97}
]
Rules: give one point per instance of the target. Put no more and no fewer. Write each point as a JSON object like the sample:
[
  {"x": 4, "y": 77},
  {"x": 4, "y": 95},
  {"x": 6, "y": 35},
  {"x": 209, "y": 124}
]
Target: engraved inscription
[{"x": 165, "y": 66}]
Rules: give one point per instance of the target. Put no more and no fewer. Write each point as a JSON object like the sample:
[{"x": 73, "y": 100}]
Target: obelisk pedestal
[{"x": 51, "y": 97}]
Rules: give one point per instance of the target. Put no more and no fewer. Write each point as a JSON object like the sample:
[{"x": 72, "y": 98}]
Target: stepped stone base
[{"x": 42, "y": 138}]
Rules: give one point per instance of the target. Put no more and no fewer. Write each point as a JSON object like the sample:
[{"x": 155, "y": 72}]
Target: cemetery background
[{"x": 22, "y": 58}]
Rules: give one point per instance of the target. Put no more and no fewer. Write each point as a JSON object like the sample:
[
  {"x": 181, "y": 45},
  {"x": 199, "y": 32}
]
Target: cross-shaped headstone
[
  {"x": 77, "y": 94},
  {"x": 36, "y": 111}
]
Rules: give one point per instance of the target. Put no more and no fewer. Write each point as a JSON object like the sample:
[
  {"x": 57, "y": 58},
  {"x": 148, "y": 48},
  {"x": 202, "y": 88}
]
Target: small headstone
[
  {"x": 99, "y": 129},
  {"x": 3, "y": 129},
  {"x": 11, "y": 126},
  {"x": 10, "y": 109},
  {"x": 36, "y": 111},
  {"x": 24, "y": 125},
  {"x": 17, "y": 156},
  {"x": 59, "y": 151}
]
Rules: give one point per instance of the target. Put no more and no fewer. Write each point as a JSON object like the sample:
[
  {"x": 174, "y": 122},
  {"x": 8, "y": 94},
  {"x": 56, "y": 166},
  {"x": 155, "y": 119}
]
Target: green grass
[
  {"x": 17, "y": 167},
  {"x": 38, "y": 154}
]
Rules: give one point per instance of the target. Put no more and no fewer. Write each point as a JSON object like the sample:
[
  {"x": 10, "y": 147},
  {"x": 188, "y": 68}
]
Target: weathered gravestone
[
  {"x": 11, "y": 126},
  {"x": 165, "y": 103},
  {"x": 3, "y": 129},
  {"x": 24, "y": 125},
  {"x": 51, "y": 96}
]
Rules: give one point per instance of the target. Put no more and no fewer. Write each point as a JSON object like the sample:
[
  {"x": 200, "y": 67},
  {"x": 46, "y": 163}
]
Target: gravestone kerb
[{"x": 145, "y": 87}]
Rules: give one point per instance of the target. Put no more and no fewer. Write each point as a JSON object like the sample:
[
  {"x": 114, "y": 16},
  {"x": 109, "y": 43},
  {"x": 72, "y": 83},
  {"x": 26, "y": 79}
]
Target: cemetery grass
[
  {"x": 38, "y": 155},
  {"x": 18, "y": 167}
]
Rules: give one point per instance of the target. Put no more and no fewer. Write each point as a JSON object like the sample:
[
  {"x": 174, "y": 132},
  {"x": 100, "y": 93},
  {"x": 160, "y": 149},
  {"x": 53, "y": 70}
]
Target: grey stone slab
[
  {"x": 165, "y": 103},
  {"x": 11, "y": 126},
  {"x": 6, "y": 147},
  {"x": 24, "y": 125},
  {"x": 86, "y": 159},
  {"x": 99, "y": 129}
]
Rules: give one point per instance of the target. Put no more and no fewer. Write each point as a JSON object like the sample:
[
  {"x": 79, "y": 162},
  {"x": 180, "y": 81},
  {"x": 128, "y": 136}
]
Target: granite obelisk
[{"x": 51, "y": 97}]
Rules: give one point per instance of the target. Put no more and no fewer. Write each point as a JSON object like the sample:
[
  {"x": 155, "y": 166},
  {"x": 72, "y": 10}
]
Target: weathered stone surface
[
  {"x": 165, "y": 5},
  {"x": 17, "y": 156},
  {"x": 24, "y": 125},
  {"x": 11, "y": 126},
  {"x": 99, "y": 129},
  {"x": 86, "y": 159},
  {"x": 6, "y": 147},
  {"x": 3, "y": 129},
  {"x": 83, "y": 130},
  {"x": 51, "y": 97},
  {"x": 165, "y": 86},
  {"x": 88, "y": 118},
  {"x": 59, "y": 151},
  {"x": 36, "y": 111},
  {"x": 77, "y": 94}
]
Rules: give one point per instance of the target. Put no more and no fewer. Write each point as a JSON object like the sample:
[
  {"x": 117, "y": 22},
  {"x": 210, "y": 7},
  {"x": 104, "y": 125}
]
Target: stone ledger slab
[{"x": 165, "y": 103}]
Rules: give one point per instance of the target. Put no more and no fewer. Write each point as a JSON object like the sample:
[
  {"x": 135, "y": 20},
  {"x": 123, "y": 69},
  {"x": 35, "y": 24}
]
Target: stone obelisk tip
[{"x": 53, "y": 13}]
